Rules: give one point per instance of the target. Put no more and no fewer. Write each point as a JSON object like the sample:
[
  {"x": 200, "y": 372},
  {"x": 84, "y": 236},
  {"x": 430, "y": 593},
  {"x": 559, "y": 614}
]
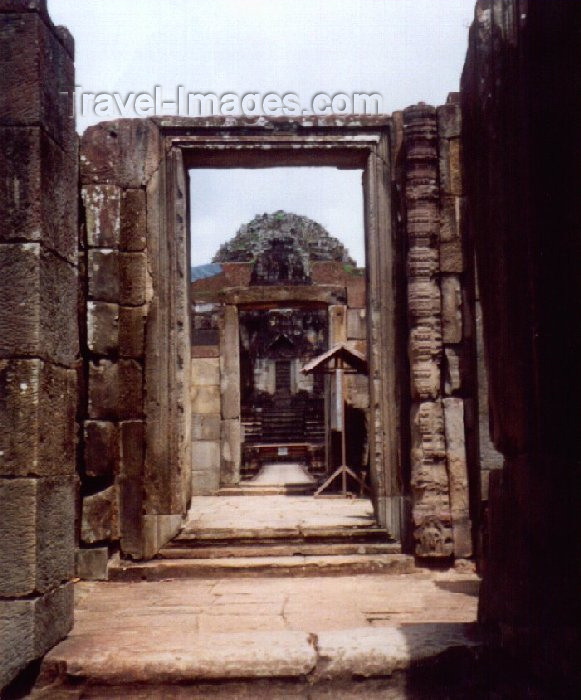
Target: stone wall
[
  {"x": 521, "y": 144},
  {"x": 136, "y": 344},
  {"x": 39, "y": 346},
  {"x": 440, "y": 329}
]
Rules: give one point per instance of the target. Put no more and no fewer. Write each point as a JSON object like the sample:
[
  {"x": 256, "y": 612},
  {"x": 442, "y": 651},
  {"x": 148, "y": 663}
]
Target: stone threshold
[
  {"x": 308, "y": 657},
  {"x": 248, "y": 567}
]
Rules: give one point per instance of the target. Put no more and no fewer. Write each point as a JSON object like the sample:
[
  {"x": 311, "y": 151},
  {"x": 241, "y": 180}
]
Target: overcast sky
[{"x": 405, "y": 50}]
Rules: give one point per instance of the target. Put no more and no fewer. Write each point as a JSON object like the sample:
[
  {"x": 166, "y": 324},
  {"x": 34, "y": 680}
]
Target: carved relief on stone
[{"x": 433, "y": 538}]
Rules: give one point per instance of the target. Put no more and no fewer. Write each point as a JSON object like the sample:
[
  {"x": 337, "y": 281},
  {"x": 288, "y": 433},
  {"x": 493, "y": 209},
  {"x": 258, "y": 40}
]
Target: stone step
[
  {"x": 284, "y": 535},
  {"x": 248, "y": 567},
  {"x": 266, "y": 490},
  {"x": 180, "y": 551},
  {"x": 175, "y": 662}
]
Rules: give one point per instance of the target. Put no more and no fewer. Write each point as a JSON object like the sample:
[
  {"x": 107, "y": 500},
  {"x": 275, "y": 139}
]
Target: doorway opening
[{"x": 289, "y": 290}]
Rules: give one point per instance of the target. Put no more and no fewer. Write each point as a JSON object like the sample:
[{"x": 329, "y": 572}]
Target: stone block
[
  {"x": 230, "y": 452},
  {"x": 451, "y": 254},
  {"x": 130, "y": 389},
  {"x": 132, "y": 331},
  {"x": 205, "y": 351},
  {"x": 18, "y": 553},
  {"x": 167, "y": 527},
  {"x": 53, "y": 618},
  {"x": 124, "y": 152},
  {"x": 453, "y": 371},
  {"x": 103, "y": 275},
  {"x": 229, "y": 365},
  {"x": 130, "y": 516},
  {"x": 29, "y": 628},
  {"x": 36, "y": 84},
  {"x": 37, "y": 419},
  {"x": 102, "y": 327},
  {"x": 100, "y": 519},
  {"x": 449, "y": 121},
  {"x": 91, "y": 564},
  {"x": 38, "y": 195},
  {"x": 356, "y": 324},
  {"x": 205, "y": 482},
  {"x": 206, "y": 455},
  {"x": 458, "y": 475},
  {"x": 37, "y": 534},
  {"x": 16, "y": 637},
  {"x": 102, "y": 215},
  {"x": 103, "y": 390},
  {"x": 101, "y": 448},
  {"x": 451, "y": 309},
  {"x": 132, "y": 449},
  {"x": 337, "y": 324},
  {"x": 133, "y": 220},
  {"x": 132, "y": 279},
  {"x": 38, "y": 299},
  {"x": 450, "y": 167},
  {"x": 206, "y": 371},
  {"x": 356, "y": 292},
  {"x": 206, "y": 399},
  {"x": 149, "y": 545},
  {"x": 206, "y": 427}
]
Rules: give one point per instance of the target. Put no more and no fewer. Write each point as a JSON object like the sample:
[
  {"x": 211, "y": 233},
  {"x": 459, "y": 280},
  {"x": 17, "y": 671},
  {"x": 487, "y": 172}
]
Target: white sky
[{"x": 406, "y": 50}]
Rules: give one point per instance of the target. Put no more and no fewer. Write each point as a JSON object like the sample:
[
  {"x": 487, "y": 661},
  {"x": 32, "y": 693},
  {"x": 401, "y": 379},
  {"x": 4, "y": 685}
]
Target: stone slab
[
  {"x": 451, "y": 309},
  {"x": 37, "y": 419},
  {"x": 100, "y": 516},
  {"x": 38, "y": 194},
  {"x": 103, "y": 390},
  {"x": 206, "y": 455},
  {"x": 205, "y": 482},
  {"x": 102, "y": 215},
  {"x": 380, "y": 652},
  {"x": 91, "y": 564},
  {"x": 206, "y": 400},
  {"x": 101, "y": 448},
  {"x": 102, "y": 328},
  {"x": 206, "y": 426},
  {"x": 230, "y": 452},
  {"x": 28, "y": 628},
  {"x": 133, "y": 220},
  {"x": 36, "y": 86},
  {"x": 356, "y": 324},
  {"x": 123, "y": 152},
  {"x": 130, "y": 389},
  {"x": 132, "y": 331},
  {"x": 103, "y": 274},
  {"x": 38, "y": 297},
  {"x": 132, "y": 279},
  {"x": 205, "y": 371},
  {"x": 229, "y": 365},
  {"x": 37, "y": 534}
]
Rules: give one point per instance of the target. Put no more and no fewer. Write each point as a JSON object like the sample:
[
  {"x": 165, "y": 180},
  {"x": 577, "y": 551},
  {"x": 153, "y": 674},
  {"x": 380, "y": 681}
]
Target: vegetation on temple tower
[{"x": 255, "y": 237}]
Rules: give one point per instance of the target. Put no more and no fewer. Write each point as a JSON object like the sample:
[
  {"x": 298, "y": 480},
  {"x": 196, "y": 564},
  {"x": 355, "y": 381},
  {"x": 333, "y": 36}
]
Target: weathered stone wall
[
  {"x": 440, "y": 330},
  {"x": 39, "y": 346},
  {"x": 521, "y": 145},
  {"x": 136, "y": 344}
]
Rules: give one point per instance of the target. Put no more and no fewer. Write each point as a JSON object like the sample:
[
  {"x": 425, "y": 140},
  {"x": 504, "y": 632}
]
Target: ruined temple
[
  {"x": 283, "y": 291},
  {"x": 131, "y": 388}
]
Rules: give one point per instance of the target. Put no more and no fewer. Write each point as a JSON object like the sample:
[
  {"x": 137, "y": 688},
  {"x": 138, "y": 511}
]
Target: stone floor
[
  {"x": 199, "y": 637},
  {"x": 259, "y": 512},
  {"x": 189, "y": 631}
]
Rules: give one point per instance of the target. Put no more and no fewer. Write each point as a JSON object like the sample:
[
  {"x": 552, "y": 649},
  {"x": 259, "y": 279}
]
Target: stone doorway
[{"x": 139, "y": 407}]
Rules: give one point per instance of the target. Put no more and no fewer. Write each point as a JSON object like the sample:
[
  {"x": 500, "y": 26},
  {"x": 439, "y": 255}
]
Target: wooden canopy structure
[{"x": 341, "y": 359}]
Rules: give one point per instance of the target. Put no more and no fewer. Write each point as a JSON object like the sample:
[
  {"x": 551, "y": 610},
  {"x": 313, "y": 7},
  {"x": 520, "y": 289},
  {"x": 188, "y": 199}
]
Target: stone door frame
[{"x": 346, "y": 143}]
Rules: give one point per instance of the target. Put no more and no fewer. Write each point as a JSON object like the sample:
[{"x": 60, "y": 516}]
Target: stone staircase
[{"x": 265, "y": 552}]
